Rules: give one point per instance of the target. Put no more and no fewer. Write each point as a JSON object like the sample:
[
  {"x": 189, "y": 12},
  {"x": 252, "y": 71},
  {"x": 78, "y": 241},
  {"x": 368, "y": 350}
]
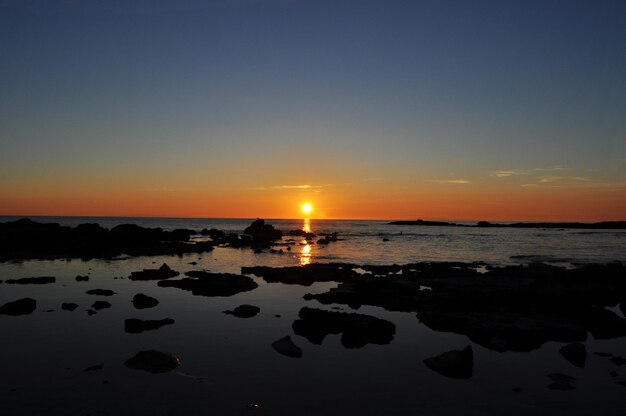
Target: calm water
[{"x": 228, "y": 362}]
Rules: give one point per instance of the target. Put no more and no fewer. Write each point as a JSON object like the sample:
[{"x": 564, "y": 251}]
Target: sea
[{"x": 60, "y": 362}]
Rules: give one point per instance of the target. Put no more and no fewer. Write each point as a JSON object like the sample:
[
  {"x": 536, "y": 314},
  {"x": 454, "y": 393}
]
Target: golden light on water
[
  {"x": 307, "y": 208},
  {"x": 305, "y": 255},
  {"x": 306, "y": 225}
]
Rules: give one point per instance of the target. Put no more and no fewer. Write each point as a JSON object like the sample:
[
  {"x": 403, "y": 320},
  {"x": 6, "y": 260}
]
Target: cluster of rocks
[
  {"x": 27, "y": 239},
  {"x": 202, "y": 283}
]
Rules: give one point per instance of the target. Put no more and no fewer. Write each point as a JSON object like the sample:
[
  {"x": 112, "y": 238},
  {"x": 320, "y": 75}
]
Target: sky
[{"x": 367, "y": 109}]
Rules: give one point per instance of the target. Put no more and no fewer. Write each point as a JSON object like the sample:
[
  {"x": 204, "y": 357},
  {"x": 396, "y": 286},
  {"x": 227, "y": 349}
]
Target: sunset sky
[{"x": 460, "y": 110}]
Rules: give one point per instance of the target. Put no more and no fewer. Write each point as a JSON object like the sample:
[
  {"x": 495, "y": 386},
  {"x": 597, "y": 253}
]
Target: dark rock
[
  {"x": 31, "y": 280},
  {"x": 614, "y": 374},
  {"x": 136, "y": 326},
  {"x": 575, "y": 353},
  {"x": 453, "y": 364},
  {"x": 27, "y": 239},
  {"x": 212, "y": 284},
  {"x": 244, "y": 311},
  {"x": 619, "y": 361},
  {"x": 80, "y": 278},
  {"x": 561, "y": 382},
  {"x": 100, "y": 292},
  {"x": 141, "y": 301},
  {"x": 517, "y": 389},
  {"x": 303, "y": 275},
  {"x": 153, "y": 361},
  {"x": 69, "y": 306},
  {"x": 193, "y": 263},
  {"x": 163, "y": 272},
  {"x": 263, "y": 235},
  {"x": 94, "y": 368},
  {"x": 621, "y": 383},
  {"x": 301, "y": 233},
  {"x": 101, "y": 304},
  {"x": 23, "y": 306},
  {"x": 357, "y": 330},
  {"x": 285, "y": 346},
  {"x": 91, "y": 312},
  {"x": 603, "y": 354}
]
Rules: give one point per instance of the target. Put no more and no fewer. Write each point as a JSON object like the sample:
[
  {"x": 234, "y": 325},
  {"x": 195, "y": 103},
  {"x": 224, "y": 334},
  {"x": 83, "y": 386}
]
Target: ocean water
[
  {"x": 228, "y": 364},
  {"x": 362, "y": 242}
]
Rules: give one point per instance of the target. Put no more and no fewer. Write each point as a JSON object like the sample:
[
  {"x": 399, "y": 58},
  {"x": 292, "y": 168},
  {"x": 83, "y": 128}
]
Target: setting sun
[{"x": 307, "y": 208}]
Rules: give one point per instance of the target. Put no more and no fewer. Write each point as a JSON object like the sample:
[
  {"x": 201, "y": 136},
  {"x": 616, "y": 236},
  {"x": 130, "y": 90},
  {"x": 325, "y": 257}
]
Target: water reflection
[
  {"x": 306, "y": 225},
  {"x": 305, "y": 254}
]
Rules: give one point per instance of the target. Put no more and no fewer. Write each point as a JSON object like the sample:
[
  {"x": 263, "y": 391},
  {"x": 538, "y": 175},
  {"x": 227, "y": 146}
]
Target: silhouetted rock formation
[
  {"x": 23, "y": 306},
  {"x": 32, "y": 280},
  {"x": 357, "y": 330},
  {"x": 141, "y": 301},
  {"x": 285, "y": 346},
  {"x": 244, "y": 311},
  {"x": 212, "y": 284},
  {"x": 136, "y": 326},
  {"x": 513, "y": 308},
  {"x": 301, "y": 233},
  {"x": 453, "y": 364},
  {"x": 163, "y": 272},
  {"x": 69, "y": 306},
  {"x": 100, "y": 304},
  {"x": 263, "y": 235},
  {"x": 100, "y": 292},
  {"x": 80, "y": 278},
  {"x": 303, "y": 275},
  {"x": 153, "y": 361},
  {"x": 422, "y": 222},
  {"x": 575, "y": 353},
  {"x": 27, "y": 239}
]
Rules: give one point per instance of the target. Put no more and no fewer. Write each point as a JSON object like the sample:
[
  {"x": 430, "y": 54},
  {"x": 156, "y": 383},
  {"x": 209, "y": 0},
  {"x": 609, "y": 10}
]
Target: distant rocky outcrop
[
  {"x": 263, "y": 235},
  {"x": 604, "y": 225},
  {"x": 163, "y": 272}
]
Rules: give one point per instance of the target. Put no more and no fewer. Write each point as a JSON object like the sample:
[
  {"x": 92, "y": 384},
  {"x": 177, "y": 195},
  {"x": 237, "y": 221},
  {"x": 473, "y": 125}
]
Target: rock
[
  {"x": 453, "y": 364},
  {"x": 621, "y": 383},
  {"x": 619, "y": 361},
  {"x": 263, "y": 235},
  {"x": 23, "y": 306},
  {"x": 244, "y": 311},
  {"x": 303, "y": 275},
  {"x": 141, "y": 301},
  {"x": 575, "y": 353},
  {"x": 69, "y": 306},
  {"x": 153, "y": 361},
  {"x": 357, "y": 330},
  {"x": 212, "y": 284},
  {"x": 31, "y": 280},
  {"x": 163, "y": 272},
  {"x": 94, "y": 368},
  {"x": 100, "y": 292},
  {"x": 561, "y": 382},
  {"x": 285, "y": 346},
  {"x": 614, "y": 374},
  {"x": 80, "y": 278},
  {"x": 603, "y": 354},
  {"x": 136, "y": 326},
  {"x": 193, "y": 263},
  {"x": 101, "y": 304}
]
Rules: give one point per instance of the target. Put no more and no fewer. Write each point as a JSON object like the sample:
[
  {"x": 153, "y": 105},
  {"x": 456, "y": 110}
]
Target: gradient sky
[{"x": 497, "y": 110}]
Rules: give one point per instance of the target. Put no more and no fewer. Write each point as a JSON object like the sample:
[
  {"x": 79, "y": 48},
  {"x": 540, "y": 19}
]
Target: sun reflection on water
[
  {"x": 306, "y": 225},
  {"x": 305, "y": 255}
]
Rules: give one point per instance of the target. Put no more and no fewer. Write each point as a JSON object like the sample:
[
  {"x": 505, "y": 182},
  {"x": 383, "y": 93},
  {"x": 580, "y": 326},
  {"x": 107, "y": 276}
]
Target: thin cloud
[
  {"x": 508, "y": 173},
  {"x": 551, "y": 179},
  {"x": 304, "y": 187},
  {"x": 452, "y": 181},
  {"x": 551, "y": 168}
]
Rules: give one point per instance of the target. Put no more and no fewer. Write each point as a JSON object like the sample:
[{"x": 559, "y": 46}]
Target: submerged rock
[
  {"x": 575, "y": 353},
  {"x": 80, "y": 278},
  {"x": 561, "y": 382},
  {"x": 163, "y": 272},
  {"x": 212, "y": 284},
  {"x": 100, "y": 304},
  {"x": 453, "y": 364},
  {"x": 141, "y": 301},
  {"x": 136, "y": 326},
  {"x": 100, "y": 292},
  {"x": 69, "y": 306},
  {"x": 285, "y": 346},
  {"x": 23, "y": 306},
  {"x": 153, "y": 361},
  {"x": 31, "y": 280},
  {"x": 357, "y": 330},
  {"x": 303, "y": 275},
  {"x": 244, "y": 311}
]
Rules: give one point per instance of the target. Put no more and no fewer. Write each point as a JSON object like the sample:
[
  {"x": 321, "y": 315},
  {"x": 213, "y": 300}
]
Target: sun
[{"x": 307, "y": 208}]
